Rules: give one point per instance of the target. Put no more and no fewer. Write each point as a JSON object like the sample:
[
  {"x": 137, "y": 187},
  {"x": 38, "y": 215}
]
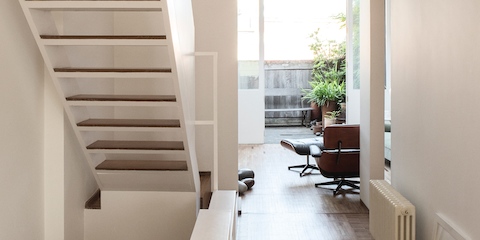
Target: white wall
[
  {"x": 21, "y": 128},
  {"x": 40, "y": 199},
  {"x": 79, "y": 185},
  {"x": 216, "y": 31},
  {"x": 142, "y": 215},
  {"x": 435, "y": 96}
]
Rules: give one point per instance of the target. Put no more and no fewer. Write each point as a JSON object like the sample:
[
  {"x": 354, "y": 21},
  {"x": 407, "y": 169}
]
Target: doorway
[{"x": 276, "y": 35}]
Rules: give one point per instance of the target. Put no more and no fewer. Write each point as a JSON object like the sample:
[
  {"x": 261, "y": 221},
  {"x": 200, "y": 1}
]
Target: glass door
[
  {"x": 251, "y": 86},
  {"x": 353, "y": 60}
]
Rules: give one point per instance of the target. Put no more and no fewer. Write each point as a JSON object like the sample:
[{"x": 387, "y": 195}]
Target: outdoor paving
[{"x": 273, "y": 135}]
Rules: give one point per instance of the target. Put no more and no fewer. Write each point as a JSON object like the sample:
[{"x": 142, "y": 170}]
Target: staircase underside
[{"x": 117, "y": 73}]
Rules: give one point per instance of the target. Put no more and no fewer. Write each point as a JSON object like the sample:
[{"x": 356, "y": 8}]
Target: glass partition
[{"x": 249, "y": 54}]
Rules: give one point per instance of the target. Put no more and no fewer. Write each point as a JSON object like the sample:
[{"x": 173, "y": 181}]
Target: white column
[
  {"x": 372, "y": 80},
  {"x": 53, "y": 163}
]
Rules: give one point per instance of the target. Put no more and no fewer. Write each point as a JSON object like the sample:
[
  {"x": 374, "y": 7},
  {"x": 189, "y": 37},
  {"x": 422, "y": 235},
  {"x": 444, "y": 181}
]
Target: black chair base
[
  {"x": 340, "y": 182},
  {"x": 305, "y": 167}
]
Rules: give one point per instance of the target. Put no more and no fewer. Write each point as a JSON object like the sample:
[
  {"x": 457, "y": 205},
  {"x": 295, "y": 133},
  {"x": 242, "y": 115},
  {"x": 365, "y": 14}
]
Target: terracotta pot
[{"x": 316, "y": 112}]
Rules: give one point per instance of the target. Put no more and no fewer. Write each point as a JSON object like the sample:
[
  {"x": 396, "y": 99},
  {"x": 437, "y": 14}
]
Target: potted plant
[
  {"x": 331, "y": 118},
  {"x": 328, "y": 75},
  {"x": 325, "y": 94}
]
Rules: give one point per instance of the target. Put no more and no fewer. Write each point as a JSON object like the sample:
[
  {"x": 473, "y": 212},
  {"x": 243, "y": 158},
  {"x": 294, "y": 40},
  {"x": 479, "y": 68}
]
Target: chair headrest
[{"x": 348, "y": 135}]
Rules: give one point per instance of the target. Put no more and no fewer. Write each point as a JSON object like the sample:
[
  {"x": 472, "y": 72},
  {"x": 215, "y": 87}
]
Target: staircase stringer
[{"x": 178, "y": 16}]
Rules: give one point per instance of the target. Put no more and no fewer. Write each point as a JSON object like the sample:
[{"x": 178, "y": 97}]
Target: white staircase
[{"x": 125, "y": 74}]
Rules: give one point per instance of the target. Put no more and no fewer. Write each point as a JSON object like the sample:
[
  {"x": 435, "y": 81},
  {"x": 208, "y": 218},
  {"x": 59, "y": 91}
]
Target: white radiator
[{"x": 392, "y": 217}]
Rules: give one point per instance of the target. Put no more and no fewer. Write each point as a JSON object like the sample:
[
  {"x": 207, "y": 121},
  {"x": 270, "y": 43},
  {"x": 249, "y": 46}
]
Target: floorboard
[{"x": 283, "y": 205}]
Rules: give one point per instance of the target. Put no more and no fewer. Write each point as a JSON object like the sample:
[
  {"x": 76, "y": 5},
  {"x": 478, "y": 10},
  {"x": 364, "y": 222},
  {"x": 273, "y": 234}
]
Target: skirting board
[{"x": 445, "y": 230}]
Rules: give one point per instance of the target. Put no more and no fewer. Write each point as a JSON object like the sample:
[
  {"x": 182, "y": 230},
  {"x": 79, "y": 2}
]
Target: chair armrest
[{"x": 315, "y": 151}]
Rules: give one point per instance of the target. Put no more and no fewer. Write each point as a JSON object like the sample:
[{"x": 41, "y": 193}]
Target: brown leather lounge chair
[{"x": 340, "y": 158}]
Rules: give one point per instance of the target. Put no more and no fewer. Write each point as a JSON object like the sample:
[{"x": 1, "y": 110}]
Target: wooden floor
[{"x": 283, "y": 205}]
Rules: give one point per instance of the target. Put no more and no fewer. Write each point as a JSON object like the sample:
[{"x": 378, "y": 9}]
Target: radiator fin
[{"x": 392, "y": 216}]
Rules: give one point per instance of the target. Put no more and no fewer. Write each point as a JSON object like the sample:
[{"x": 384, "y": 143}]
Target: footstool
[{"x": 302, "y": 147}]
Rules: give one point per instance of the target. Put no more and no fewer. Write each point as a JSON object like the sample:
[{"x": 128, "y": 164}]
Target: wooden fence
[{"x": 284, "y": 81}]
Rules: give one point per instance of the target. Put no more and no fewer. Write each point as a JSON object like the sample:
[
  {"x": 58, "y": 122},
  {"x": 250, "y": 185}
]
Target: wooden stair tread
[
  {"x": 110, "y": 70},
  {"x": 145, "y": 165},
  {"x": 137, "y": 98},
  {"x": 130, "y": 123},
  {"x": 134, "y": 37},
  {"x": 137, "y": 145},
  {"x": 94, "y": 201}
]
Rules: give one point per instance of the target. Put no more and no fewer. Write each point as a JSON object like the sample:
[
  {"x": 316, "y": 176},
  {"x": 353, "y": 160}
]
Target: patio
[{"x": 273, "y": 135}]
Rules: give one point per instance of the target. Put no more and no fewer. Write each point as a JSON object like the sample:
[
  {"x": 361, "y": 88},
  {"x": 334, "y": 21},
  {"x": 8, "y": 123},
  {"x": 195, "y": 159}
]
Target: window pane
[
  {"x": 356, "y": 44},
  {"x": 248, "y": 44}
]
